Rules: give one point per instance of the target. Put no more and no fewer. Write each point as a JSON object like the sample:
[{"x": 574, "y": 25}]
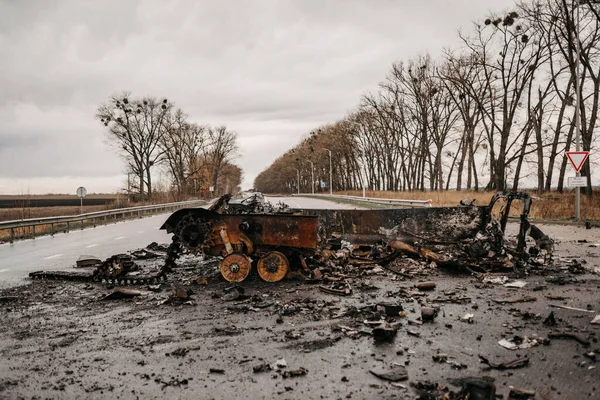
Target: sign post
[
  {"x": 81, "y": 192},
  {"x": 577, "y": 159},
  {"x": 577, "y": 115}
]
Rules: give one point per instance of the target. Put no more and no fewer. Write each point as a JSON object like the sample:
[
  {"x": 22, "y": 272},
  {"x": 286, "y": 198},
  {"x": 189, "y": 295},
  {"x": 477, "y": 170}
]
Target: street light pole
[
  {"x": 330, "y": 174},
  {"x": 312, "y": 177},
  {"x": 577, "y": 112}
]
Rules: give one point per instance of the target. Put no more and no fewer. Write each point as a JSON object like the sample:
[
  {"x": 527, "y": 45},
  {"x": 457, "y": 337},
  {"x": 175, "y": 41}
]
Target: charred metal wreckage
[
  {"x": 469, "y": 237},
  {"x": 274, "y": 237}
]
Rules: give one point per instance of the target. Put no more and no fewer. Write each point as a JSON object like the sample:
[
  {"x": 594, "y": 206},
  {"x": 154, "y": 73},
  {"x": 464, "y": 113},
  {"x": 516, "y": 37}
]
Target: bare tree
[
  {"x": 135, "y": 127},
  {"x": 501, "y": 104},
  {"x": 222, "y": 147},
  {"x": 183, "y": 146}
]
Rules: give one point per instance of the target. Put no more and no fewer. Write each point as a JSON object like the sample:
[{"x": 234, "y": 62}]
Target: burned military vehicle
[
  {"x": 275, "y": 238},
  {"x": 271, "y": 238}
]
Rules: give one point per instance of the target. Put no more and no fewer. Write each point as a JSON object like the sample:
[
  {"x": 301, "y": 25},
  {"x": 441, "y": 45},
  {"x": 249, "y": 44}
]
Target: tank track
[
  {"x": 105, "y": 274},
  {"x": 91, "y": 278}
]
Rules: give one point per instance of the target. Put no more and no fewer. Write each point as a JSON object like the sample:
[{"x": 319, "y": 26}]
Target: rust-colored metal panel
[{"x": 274, "y": 230}]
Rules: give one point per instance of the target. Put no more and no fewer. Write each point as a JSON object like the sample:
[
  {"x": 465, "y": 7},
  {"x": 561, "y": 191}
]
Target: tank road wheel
[
  {"x": 273, "y": 266},
  {"x": 235, "y": 267}
]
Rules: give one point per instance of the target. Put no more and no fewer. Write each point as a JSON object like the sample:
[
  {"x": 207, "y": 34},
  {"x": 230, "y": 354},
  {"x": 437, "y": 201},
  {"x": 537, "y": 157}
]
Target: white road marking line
[
  {"x": 294, "y": 203},
  {"x": 91, "y": 245},
  {"x": 51, "y": 257},
  {"x": 5, "y": 269},
  {"x": 141, "y": 231},
  {"x": 120, "y": 237}
]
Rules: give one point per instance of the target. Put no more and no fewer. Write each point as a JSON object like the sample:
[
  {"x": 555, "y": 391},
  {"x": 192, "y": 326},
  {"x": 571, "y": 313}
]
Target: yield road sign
[{"x": 577, "y": 158}]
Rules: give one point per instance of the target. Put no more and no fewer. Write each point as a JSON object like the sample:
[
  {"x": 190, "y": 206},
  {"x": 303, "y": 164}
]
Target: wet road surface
[{"x": 62, "y": 250}]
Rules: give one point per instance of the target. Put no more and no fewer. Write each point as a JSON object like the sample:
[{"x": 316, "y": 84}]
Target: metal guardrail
[
  {"x": 69, "y": 219},
  {"x": 375, "y": 200}
]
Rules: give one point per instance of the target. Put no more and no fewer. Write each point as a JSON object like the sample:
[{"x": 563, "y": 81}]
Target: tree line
[
  {"x": 496, "y": 110},
  {"x": 151, "y": 133}
]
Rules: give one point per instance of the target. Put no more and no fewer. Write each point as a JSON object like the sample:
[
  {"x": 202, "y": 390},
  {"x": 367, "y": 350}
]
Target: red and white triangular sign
[{"x": 577, "y": 158}]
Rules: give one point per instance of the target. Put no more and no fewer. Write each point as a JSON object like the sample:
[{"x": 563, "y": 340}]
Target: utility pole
[
  {"x": 577, "y": 110},
  {"x": 298, "y": 171},
  {"x": 330, "y": 174}
]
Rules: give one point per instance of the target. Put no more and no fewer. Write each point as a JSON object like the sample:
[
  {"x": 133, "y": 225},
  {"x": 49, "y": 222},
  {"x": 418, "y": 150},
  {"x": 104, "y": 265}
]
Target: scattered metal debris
[
  {"x": 569, "y": 335},
  {"x": 294, "y": 373},
  {"x": 123, "y": 293},
  {"x": 527, "y": 299},
  {"x": 262, "y": 367},
  {"x": 550, "y": 319},
  {"x": 384, "y": 332},
  {"x": 518, "y": 363},
  {"x": 572, "y": 308},
  {"x": 180, "y": 292},
  {"x": 467, "y": 318},
  {"x": 516, "y": 284},
  {"x": 425, "y": 285},
  {"x": 476, "y": 388},
  {"x": 428, "y": 313},
  {"x": 521, "y": 394},
  {"x": 393, "y": 374},
  {"x": 88, "y": 261},
  {"x": 518, "y": 343}
]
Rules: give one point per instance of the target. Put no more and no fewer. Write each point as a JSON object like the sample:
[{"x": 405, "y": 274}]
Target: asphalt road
[
  {"x": 311, "y": 203},
  {"x": 61, "y": 251}
]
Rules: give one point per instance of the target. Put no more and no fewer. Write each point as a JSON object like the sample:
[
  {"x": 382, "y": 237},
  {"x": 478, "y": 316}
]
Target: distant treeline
[
  {"x": 67, "y": 201},
  {"x": 498, "y": 112}
]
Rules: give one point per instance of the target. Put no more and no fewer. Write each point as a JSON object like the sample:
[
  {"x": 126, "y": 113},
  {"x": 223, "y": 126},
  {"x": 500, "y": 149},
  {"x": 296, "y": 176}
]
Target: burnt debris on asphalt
[{"x": 379, "y": 275}]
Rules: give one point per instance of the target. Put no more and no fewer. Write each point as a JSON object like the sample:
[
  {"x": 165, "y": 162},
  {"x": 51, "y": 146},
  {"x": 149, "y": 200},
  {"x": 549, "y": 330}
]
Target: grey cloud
[{"x": 288, "y": 65}]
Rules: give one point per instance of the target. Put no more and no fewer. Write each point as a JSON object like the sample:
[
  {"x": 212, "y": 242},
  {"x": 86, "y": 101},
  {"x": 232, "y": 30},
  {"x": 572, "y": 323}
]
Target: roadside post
[
  {"x": 580, "y": 156},
  {"x": 81, "y": 192}
]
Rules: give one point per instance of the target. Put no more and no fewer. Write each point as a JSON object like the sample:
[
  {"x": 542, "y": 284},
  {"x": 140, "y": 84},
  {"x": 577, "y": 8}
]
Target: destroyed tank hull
[
  {"x": 270, "y": 239},
  {"x": 273, "y": 239}
]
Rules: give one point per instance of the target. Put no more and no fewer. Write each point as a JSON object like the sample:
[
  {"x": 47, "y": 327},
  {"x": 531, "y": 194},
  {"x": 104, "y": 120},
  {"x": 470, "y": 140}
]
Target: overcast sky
[{"x": 271, "y": 70}]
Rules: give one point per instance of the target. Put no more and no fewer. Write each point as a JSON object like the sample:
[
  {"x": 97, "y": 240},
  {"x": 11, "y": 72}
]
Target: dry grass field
[
  {"x": 31, "y": 206},
  {"x": 39, "y": 206},
  {"x": 15, "y": 213},
  {"x": 552, "y": 205}
]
